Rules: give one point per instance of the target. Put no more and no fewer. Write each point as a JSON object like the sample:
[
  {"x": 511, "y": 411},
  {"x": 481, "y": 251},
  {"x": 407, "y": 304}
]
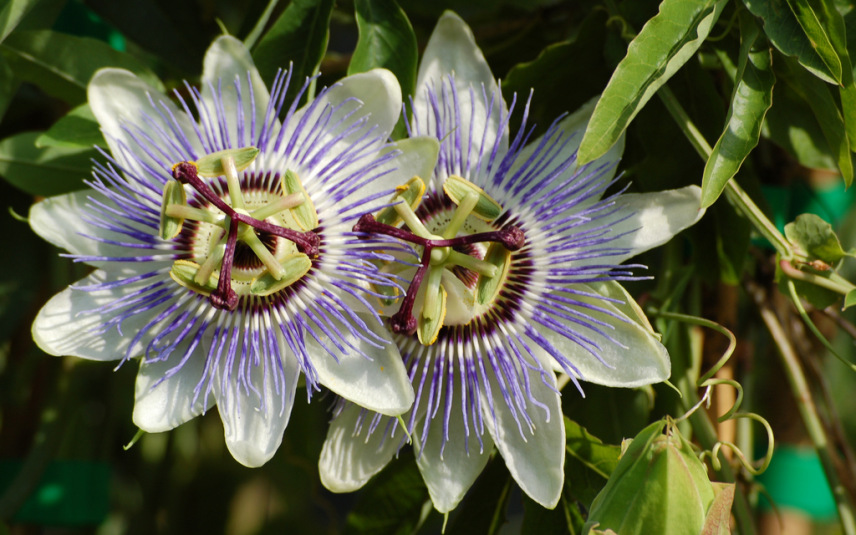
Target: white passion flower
[
  {"x": 220, "y": 231},
  {"x": 517, "y": 261}
]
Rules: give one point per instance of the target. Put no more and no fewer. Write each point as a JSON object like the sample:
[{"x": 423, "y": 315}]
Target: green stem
[
  {"x": 808, "y": 410},
  {"x": 733, "y": 192}
]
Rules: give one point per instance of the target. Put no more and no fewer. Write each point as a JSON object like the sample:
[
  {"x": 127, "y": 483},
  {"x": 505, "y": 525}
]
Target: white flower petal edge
[
  {"x": 630, "y": 354},
  {"x": 118, "y": 98},
  {"x": 351, "y": 456},
  {"x": 450, "y": 472},
  {"x": 535, "y": 458},
  {"x": 254, "y": 422},
  {"x": 373, "y": 374},
  {"x": 227, "y": 59},
  {"x": 166, "y": 396},
  {"x": 76, "y": 322}
]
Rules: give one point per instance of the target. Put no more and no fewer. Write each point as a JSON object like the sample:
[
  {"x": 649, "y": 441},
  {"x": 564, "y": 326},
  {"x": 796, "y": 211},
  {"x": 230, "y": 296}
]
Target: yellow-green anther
[
  {"x": 457, "y": 189},
  {"x": 488, "y": 286},
  {"x": 281, "y": 204},
  {"x": 472, "y": 263},
  {"x": 410, "y": 193},
  {"x": 212, "y": 165},
  {"x": 462, "y": 212},
  {"x": 432, "y": 292},
  {"x": 294, "y": 266},
  {"x": 173, "y": 196},
  {"x": 195, "y": 214},
  {"x": 247, "y": 235},
  {"x": 304, "y": 213},
  {"x": 428, "y": 328},
  {"x": 184, "y": 273}
]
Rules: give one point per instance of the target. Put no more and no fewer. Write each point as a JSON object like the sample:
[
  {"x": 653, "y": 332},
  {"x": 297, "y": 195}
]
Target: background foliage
[{"x": 752, "y": 99}]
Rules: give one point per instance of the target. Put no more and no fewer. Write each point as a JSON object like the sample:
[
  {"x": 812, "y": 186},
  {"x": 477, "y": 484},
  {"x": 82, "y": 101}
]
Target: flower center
[
  {"x": 243, "y": 247},
  {"x": 453, "y": 250}
]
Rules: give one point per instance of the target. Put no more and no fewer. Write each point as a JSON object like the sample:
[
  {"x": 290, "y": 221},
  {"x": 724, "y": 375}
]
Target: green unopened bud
[{"x": 660, "y": 486}]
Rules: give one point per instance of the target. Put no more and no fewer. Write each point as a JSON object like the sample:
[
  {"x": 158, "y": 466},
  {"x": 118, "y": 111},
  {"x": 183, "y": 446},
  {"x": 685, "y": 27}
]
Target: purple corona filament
[
  {"x": 225, "y": 297},
  {"x": 511, "y": 237}
]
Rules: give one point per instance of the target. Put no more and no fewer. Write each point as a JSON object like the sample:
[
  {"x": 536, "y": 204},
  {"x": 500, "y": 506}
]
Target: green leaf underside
[
  {"x": 49, "y": 171},
  {"x": 664, "y": 44},
  {"x": 816, "y": 237},
  {"x": 62, "y": 65},
  {"x": 752, "y": 97},
  {"x": 386, "y": 40},
  {"x": 77, "y": 129},
  {"x": 297, "y": 41}
]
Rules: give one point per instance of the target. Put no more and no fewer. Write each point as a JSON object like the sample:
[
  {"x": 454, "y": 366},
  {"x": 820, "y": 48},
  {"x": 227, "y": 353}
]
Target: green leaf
[
  {"x": 752, "y": 97},
  {"x": 483, "y": 508},
  {"x": 790, "y": 124},
  {"x": 386, "y": 40},
  {"x": 591, "y": 451},
  {"x": 61, "y": 65},
  {"x": 811, "y": 17},
  {"x": 850, "y": 299},
  {"x": 296, "y": 41},
  {"x": 663, "y": 45},
  {"x": 565, "y": 519},
  {"x": 78, "y": 129},
  {"x": 816, "y": 238},
  {"x": 12, "y": 13},
  {"x": 8, "y": 85},
  {"x": 391, "y": 502},
  {"x": 822, "y": 104},
  {"x": 784, "y": 31},
  {"x": 49, "y": 171}
]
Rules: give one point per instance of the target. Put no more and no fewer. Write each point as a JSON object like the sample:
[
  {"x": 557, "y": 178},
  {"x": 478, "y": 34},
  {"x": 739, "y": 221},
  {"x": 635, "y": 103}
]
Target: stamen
[
  {"x": 462, "y": 212},
  {"x": 279, "y": 205}
]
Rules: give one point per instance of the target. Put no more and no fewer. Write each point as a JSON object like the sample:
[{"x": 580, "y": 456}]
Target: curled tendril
[{"x": 708, "y": 381}]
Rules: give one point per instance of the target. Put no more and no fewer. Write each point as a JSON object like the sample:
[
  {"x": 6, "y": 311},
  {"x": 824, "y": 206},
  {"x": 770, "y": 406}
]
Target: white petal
[
  {"x": 226, "y": 61},
  {"x": 452, "y": 49},
  {"x": 451, "y": 474},
  {"x": 572, "y": 128},
  {"x": 537, "y": 461},
  {"x": 379, "y": 382},
  {"x": 350, "y": 456},
  {"x": 70, "y": 322},
  {"x": 59, "y": 220},
  {"x": 165, "y": 406},
  {"x": 654, "y": 219},
  {"x": 255, "y": 418},
  {"x": 637, "y": 358},
  {"x": 120, "y": 100}
]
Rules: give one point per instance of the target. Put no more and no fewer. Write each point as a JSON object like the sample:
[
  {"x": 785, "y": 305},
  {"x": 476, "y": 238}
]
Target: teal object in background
[
  {"x": 795, "y": 480},
  {"x": 70, "y": 493},
  {"x": 77, "y": 19}
]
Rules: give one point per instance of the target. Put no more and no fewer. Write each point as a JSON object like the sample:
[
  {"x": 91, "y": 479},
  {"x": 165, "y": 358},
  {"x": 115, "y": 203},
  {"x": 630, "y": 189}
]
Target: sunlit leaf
[
  {"x": 816, "y": 238},
  {"x": 752, "y": 97},
  {"x": 49, "y": 171},
  {"x": 822, "y": 35},
  {"x": 386, "y": 40},
  {"x": 663, "y": 45},
  {"x": 781, "y": 27},
  {"x": 850, "y": 299},
  {"x": 296, "y": 41},
  {"x": 61, "y": 65},
  {"x": 78, "y": 129},
  {"x": 12, "y": 13}
]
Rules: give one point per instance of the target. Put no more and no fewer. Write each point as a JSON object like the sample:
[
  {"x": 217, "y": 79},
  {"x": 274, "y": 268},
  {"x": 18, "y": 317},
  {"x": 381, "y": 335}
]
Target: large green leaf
[
  {"x": 8, "y": 85},
  {"x": 78, "y": 129},
  {"x": 296, "y": 41},
  {"x": 663, "y": 45},
  {"x": 386, "y": 40},
  {"x": 61, "y": 65},
  {"x": 825, "y": 110},
  {"x": 826, "y": 38},
  {"x": 45, "y": 172},
  {"x": 752, "y": 97},
  {"x": 12, "y": 13},
  {"x": 786, "y": 34}
]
